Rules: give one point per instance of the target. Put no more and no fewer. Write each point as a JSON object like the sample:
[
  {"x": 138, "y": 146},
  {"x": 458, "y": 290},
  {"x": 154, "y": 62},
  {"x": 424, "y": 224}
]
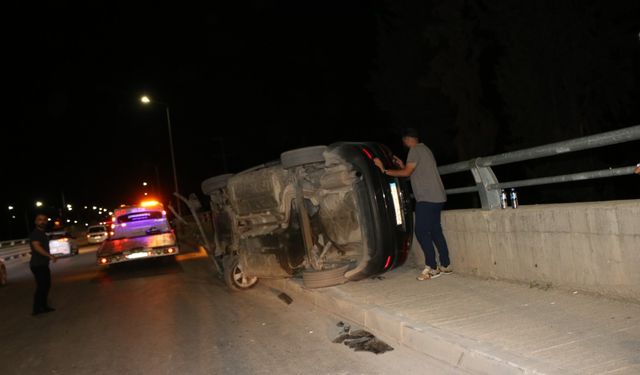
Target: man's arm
[
  {"x": 37, "y": 246},
  {"x": 403, "y": 172}
]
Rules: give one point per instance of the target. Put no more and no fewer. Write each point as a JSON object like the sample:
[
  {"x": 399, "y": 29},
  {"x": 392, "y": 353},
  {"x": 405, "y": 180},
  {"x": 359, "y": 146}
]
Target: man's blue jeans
[{"x": 429, "y": 231}]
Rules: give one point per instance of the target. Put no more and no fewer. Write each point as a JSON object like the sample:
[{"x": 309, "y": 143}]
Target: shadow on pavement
[{"x": 138, "y": 269}]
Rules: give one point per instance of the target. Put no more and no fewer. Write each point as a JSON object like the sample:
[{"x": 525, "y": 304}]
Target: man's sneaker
[
  {"x": 446, "y": 270},
  {"x": 428, "y": 273}
]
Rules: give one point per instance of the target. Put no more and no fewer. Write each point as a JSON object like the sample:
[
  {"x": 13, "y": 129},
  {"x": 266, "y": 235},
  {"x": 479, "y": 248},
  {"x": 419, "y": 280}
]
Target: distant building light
[
  {"x": 68, "y": 221},
  {"x": 49, "y": 219},
  {"x": 38, "y": 204},
  {"x": 13, "y": 216},
  {"x": 75, "y": 221},
  {"x": 10, "y": 208}
]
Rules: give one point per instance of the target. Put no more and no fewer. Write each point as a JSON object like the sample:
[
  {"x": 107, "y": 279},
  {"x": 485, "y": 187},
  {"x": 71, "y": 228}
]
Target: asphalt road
[{"x": 155, "y": 317}]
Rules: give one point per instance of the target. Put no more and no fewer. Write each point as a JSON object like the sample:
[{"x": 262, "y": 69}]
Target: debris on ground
[
  {"x": 285, "y": 297},
  {"x": 541, "y": 286},
  {"x": 360, "y": 340}
]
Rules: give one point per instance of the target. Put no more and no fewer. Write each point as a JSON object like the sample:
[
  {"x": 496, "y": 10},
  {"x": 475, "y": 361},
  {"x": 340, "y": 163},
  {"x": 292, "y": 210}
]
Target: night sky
[{"x": 247, "y": 82}]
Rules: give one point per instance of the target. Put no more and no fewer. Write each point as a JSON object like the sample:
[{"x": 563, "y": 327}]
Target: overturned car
[{"x": 324, "y": 211}]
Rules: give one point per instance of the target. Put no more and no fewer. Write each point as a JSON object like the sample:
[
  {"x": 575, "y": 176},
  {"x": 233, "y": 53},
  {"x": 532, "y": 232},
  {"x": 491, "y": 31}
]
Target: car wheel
[
  {"x": 3, "y": 275},
  {"x": 302, "y": 156},
  {"x": 324, "y": 278},
  {"x": 235, "y": 278},
  {"x": 214, "y": 183}
]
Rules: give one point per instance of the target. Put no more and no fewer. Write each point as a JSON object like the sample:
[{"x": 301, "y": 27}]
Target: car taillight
[
  {"x": 171, "y": 250},
  {"x": 366, "y": 152},
  {"x": 386, "y": 265}
]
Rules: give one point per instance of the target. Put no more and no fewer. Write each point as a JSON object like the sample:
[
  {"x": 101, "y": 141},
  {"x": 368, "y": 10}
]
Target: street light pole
[
  {"x": 146, "y": 100},
  {"x": 173, "y": 159}
]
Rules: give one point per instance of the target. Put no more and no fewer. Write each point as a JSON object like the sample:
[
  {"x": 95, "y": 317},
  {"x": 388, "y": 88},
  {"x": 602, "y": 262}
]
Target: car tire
[
  {"x": 320, "y": 279},
  {"x": 215, "y": 183},
  {"x": 3, "y": 275},
  {"x": 233, "y": 275},
  {"x": 302, "y": 156}
]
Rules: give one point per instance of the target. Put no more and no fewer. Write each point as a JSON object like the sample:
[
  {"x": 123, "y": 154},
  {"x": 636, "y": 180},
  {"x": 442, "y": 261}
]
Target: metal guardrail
[
  {"x": 10, "y": 243},
  {"x": 488, "y": 186},
  {"x": 14, "y": 249},
  {"x": 14, "y": 252}
]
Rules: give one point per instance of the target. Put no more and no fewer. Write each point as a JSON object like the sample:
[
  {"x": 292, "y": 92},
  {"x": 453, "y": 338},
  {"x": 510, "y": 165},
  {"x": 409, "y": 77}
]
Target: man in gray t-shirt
[
  {"x": 430, "y": 197},
  {"x": 425, "y": 179}
]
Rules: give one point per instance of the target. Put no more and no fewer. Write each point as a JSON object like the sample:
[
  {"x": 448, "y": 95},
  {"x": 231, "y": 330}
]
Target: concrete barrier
[{"x": 592, "y": 247}]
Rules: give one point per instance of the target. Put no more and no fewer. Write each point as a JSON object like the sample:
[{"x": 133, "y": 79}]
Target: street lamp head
[
  {"x": 145, "y": 99},
  {"x": 10, "y": 208},
  {"x": 38, "y": 204}
]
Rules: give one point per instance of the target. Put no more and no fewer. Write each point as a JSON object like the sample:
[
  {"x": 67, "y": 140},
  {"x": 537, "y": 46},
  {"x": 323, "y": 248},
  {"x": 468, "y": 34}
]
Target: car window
[
  {"x": 97, "y": 229},
  {"x": 139, "y": 216}
]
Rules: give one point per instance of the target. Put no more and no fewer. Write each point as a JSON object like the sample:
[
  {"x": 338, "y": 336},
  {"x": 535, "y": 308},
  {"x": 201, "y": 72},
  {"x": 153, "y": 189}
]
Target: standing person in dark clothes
[
  {"x": 39, "y": 264},
  {"x": 430, "y": 198}
]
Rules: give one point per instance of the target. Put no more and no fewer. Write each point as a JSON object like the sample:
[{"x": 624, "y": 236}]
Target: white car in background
[{"x": 97, "y": 234}]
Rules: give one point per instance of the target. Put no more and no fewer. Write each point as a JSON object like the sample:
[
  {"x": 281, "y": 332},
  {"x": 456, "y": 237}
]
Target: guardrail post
[{"x": 484, "y": 178}]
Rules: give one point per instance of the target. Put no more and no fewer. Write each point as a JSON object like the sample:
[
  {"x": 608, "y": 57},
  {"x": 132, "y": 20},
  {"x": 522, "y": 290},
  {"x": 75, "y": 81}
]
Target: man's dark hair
[
  {"x": 410, "y": 132},
  {"x": 39, "y": 213}
]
